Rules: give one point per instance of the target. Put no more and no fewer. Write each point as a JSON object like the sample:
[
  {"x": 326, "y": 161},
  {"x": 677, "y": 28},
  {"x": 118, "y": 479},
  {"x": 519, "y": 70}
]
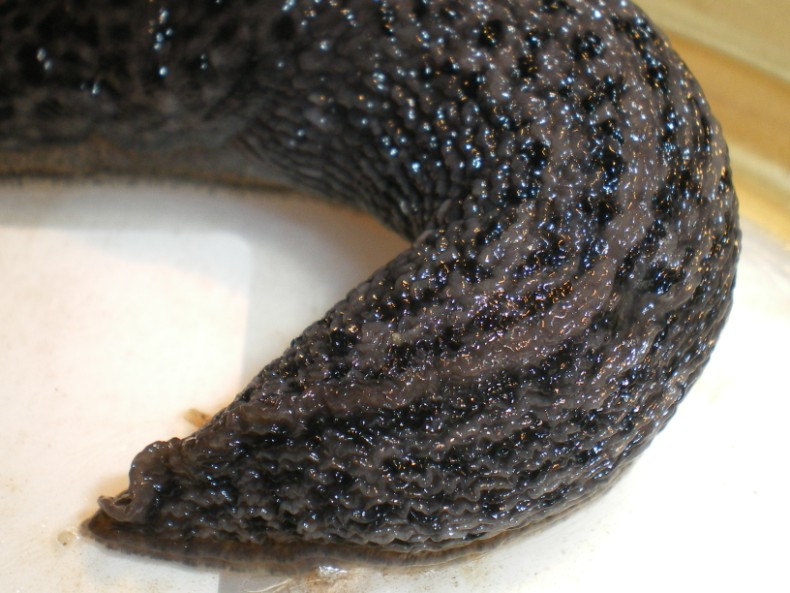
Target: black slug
[{"x": 573, "y": 230}]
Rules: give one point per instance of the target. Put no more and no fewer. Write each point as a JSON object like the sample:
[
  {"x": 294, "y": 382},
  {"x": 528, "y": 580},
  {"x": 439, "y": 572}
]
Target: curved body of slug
[{"x": 574, "y": 233}]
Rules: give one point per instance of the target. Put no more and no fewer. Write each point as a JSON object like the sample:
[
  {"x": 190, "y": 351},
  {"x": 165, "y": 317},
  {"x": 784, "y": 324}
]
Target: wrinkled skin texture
[{"x": 574, "y": 237}]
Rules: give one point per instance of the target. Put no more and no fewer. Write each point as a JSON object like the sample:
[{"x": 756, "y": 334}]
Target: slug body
[{"x": 574, "y": 239}]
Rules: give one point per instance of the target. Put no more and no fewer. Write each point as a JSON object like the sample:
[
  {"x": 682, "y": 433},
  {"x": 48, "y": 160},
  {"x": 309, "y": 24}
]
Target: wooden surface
[
  {"x": 740, "y": 52},
  {"x": 756, "y": 31}
]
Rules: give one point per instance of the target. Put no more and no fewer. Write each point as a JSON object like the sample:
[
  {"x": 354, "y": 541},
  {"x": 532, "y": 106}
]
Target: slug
[{"x": 573, "y": 238}]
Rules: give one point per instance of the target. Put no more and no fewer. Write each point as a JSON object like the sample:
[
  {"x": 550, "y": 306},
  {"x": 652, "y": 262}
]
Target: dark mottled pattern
[{"x": 574, "y": 231}]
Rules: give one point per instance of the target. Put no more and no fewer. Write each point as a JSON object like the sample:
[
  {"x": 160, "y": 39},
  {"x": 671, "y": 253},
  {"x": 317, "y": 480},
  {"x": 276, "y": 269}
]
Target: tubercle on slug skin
[{"x": 574, "y": 230}]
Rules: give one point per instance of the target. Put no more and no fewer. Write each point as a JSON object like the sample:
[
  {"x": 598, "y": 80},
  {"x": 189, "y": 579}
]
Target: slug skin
[{"x": 573, "y": 229}]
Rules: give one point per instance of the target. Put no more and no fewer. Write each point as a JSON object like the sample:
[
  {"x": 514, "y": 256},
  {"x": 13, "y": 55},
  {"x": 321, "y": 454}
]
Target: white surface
[{"x": 123, "y": 307}]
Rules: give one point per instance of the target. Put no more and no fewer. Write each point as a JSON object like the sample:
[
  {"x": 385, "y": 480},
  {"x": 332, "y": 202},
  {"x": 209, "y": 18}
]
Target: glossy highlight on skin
[{"x": 573, "y": 228}]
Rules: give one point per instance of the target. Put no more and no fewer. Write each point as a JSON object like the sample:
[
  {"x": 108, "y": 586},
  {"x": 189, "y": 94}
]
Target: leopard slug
[{"x": 573, "y": 238}]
